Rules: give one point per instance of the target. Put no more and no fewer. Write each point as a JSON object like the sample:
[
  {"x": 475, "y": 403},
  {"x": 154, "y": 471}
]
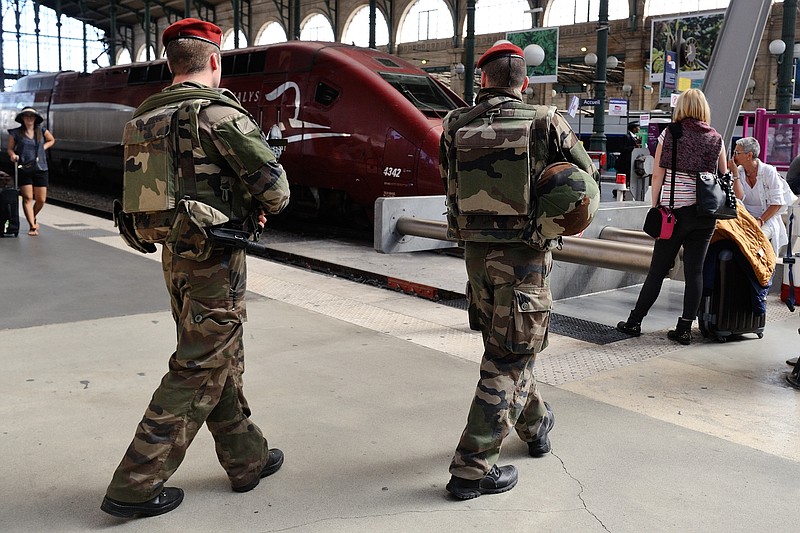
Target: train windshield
[{"x": 421, "y": 91}]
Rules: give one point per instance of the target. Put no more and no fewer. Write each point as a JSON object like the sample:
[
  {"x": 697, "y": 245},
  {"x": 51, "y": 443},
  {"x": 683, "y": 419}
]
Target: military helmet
[{"x": 567, "y": 199}]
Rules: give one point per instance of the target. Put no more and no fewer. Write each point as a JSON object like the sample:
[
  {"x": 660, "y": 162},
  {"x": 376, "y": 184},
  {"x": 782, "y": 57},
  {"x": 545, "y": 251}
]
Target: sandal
[{"x": 33, "y": 232}]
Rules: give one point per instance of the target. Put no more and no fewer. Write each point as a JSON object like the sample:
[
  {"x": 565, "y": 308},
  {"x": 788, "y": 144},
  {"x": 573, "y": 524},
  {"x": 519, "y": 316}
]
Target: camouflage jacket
[
  {"x": 561, "y": 145},
  {"x": 235, "y": 172}
]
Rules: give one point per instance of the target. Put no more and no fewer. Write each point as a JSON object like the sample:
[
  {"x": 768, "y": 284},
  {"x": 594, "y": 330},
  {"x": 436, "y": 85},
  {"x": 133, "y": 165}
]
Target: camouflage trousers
[
  {"x": 509, "y": 303},
  {"x": 204, "y": 382}
]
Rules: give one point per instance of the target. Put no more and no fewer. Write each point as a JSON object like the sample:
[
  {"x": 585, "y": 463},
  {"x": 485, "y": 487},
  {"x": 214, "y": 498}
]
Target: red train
[{"x": 360, "y": 123}]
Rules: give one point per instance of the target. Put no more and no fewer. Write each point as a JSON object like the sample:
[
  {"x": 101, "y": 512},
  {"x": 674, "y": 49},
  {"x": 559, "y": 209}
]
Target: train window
[
  {"x": 155, "y": 73},
  {"x": 233, "y": 65},
  {"x": 257, "y": 60},
  {"x": 325, "y": 94},
  {"x": 137, "y": 75},
  {"x": 152, "y": 73},
  {"x": 228, "y": 64},
  {"x": 421, "y": 91},
  {"x": 386, "y": 62}
]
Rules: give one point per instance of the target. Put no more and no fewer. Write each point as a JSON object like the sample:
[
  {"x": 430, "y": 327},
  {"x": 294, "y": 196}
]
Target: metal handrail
[{"x": 625, "y": 256}]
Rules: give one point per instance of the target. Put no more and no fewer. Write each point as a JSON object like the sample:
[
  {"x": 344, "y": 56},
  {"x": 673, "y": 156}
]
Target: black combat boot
[
  {"x": 167, "y": 500},
  {"x": 682, "y": 332},
  {"x": 499, "y": 479},
  {"x": 632, "y": 326}
]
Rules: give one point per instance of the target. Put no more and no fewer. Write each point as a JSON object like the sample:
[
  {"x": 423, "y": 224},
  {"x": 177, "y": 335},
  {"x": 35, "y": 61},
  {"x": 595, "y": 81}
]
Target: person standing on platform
[
  {"x": 509, "y": 287},
  {"x": 235, "y": 172},
  {"x": 699, "y": 149},
  {"x": 632, "y": 141},
  {"x": 761, "y": 189},
  {"x": 26, "y": 149}
]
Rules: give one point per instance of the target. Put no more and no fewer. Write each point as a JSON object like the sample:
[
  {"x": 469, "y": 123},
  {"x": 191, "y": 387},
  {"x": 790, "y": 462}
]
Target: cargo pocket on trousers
[
  {"x": 215, "y": 320},
  {"x": 528, "y": 319}
]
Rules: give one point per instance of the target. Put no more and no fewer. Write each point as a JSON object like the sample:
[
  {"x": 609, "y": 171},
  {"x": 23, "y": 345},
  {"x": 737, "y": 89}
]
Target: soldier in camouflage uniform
[
  {"x": 508, "y": 292},
  {"x": 207, "y": 292}
]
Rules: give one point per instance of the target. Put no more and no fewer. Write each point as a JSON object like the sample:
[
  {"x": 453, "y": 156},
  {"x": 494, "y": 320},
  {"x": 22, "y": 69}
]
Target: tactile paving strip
[
  {"x": 84, "y": 230},
  {"x": 556, "y": 369},
  {"x": 575, "y": 328}
]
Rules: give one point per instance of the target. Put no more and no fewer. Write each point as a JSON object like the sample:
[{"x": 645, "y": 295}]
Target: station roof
[{"x": 130, "y": 12}]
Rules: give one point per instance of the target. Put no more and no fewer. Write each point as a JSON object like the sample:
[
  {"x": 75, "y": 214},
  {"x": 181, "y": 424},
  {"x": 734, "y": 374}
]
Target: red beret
[
  {"x": 193, "y": 29},
  {"x": 501, "y": 50}
]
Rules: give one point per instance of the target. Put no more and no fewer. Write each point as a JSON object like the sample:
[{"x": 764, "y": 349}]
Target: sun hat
[{"x": 29, "y": 111}]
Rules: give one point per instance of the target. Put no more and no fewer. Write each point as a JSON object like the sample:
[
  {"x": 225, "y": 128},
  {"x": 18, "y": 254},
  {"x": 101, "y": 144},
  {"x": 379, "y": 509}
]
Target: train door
[
  {"x": 398, "y": 166},
  {"x": 276, "y": 109}
]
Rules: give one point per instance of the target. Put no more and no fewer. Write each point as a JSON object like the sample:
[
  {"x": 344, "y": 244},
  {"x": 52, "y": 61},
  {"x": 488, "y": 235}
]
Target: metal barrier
[
  {"x": 584, "y": 265},
  {"x": 631, "y": 256},
  {"x": 631, "y": 236}
]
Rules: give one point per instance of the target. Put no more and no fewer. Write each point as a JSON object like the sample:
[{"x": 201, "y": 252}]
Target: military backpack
[
  {"x": 162, "y": 147},
  {"x": 500, "y": 149}
]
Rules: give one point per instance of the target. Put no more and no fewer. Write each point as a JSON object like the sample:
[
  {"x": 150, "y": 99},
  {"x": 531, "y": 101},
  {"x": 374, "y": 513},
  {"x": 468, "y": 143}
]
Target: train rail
[{"x": 281, "y": 237}]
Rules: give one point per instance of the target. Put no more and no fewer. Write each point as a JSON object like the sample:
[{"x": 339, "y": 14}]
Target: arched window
[
  {"x": 670, "y": 7},
  {"x": 141, "y": 55},
  {"x": 356, "y": 30},
  {"x": 316, "y": 28},
  {"x": 495, "y": 16},
  {"x": 123, "y": 57},
  {"x": 424, "y": 20},
  {"x": 566, "y": 12},
  {"x": 228, "y": 42},
  {"x": 72, "y": 44},
  {"x": 271, "y": 33}
]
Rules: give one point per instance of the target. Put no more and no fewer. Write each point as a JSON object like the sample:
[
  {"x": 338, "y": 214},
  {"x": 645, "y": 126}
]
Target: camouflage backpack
[
  {"x": 162, "y": 146},
  {"x": 500, "y": 149}
]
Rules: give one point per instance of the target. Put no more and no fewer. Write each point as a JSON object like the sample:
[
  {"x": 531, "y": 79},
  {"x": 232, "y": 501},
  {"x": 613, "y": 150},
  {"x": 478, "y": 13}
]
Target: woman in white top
[{"x": 760, "y": 188}]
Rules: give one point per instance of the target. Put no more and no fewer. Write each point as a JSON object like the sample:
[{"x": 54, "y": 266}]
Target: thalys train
[{"x": 360, "y": 124}]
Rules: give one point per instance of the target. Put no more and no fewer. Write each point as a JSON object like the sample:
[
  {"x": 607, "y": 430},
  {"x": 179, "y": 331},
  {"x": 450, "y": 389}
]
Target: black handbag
[
  {"x": 659, "y": 222},
  {"x": 715, "y": 198}
]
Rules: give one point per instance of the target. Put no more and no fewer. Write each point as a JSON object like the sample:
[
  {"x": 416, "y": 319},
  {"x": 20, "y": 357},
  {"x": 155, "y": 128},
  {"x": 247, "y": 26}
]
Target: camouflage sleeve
[
  {"x": 444, "y": 147},
  {"x": 570, "y": 146},
  {"x": 239, "y": 140}
]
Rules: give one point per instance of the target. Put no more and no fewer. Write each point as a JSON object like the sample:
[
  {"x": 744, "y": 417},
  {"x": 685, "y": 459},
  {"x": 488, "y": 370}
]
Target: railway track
[{"x": 285, "y": 228}]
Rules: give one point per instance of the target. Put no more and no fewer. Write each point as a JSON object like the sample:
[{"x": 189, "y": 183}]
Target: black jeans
[{"x": 693, "y": 234}]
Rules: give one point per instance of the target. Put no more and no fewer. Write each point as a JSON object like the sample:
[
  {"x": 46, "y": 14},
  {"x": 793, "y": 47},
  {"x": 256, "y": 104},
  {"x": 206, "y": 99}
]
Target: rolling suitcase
[
  {"x": 9, "y": 209},
  {"x": 728, "y": 308}
]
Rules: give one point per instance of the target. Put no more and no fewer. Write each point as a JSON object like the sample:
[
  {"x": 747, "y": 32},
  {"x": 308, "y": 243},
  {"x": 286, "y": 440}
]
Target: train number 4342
[{"x": 392, "y": 172}]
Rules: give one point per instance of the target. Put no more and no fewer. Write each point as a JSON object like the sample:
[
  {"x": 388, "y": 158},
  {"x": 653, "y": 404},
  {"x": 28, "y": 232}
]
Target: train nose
[{"x": 429, "y": 179}]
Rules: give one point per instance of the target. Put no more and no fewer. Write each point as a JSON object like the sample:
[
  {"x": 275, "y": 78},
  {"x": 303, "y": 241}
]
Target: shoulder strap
[
  {"x": 676, "y": 131},
  {"x": 184, "y": 148},
  {"x": 475, "y": 112},
  {"x": 222, "y": 96}
]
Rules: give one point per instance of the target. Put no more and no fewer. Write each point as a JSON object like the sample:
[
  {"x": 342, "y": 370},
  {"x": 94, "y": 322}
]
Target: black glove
[
  {"x": 277, "y": 146},
  {"x": 127, "y": 230}
]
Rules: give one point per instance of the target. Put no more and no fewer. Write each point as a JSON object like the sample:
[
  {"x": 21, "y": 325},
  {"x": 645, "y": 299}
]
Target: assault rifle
[{"x": 235, "y": 239}]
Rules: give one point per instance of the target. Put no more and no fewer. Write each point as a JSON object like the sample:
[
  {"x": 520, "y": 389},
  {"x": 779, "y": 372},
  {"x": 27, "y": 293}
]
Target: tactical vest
[
  {"x": 498, "y": 150},
  {"x": 162, "y": 149}
]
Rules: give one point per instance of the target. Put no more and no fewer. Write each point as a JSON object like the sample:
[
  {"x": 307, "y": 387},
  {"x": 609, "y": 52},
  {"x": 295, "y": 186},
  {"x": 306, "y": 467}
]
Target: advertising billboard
[
  {"x": 547, "y": 38},
  {"x": 690, "y": 39}
]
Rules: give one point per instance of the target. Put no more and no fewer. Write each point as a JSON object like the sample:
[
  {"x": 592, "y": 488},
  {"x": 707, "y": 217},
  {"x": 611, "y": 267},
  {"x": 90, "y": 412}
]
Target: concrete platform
[{"x": 366, "y": 391}]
